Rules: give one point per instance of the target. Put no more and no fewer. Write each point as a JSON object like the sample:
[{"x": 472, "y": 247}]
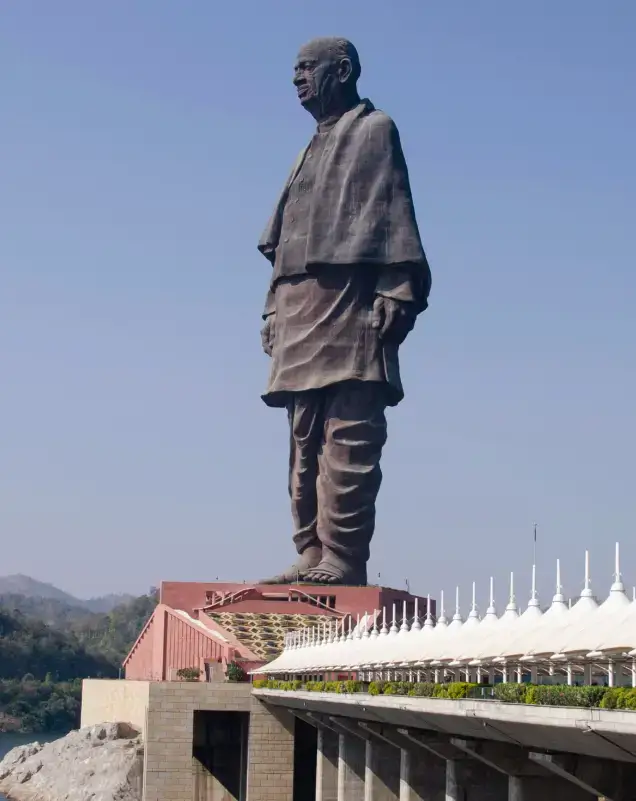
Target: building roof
[{"x": 264, "y": 632}]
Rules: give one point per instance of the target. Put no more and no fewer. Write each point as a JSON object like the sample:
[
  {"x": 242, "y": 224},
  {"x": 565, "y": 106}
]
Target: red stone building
[{"x": 208, "y": 626}]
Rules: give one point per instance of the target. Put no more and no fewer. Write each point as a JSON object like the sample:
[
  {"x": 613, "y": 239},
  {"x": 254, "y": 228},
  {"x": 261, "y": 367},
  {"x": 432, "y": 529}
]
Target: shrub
[
  {"x": 539, "y": 694},
  {"x": 629, "y": 699},
  {"x": 593, "y": 695},
  {"x": 563, "y": 695},
  {"x": 511, "y": 693},
  {"x": 397, "y": 688},
  {"x": 613, "y": 698},
  {"x": 459, "y": 689},
  {"x": 189, "y": 674},
  {"x": 235, "y": 672},
  {"x": 422, "y": 689}
]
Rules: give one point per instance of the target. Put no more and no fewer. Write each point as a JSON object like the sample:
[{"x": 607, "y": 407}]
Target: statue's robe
[{"x": 343, "y": 231}]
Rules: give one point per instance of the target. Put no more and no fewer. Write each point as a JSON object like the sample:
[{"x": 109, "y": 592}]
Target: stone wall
[
  {"x": 168, "y": 769},
  {"x": 115, "y": 701},
  {"x": 164, "y": 713},
  {"x": 271, "y": 754}
]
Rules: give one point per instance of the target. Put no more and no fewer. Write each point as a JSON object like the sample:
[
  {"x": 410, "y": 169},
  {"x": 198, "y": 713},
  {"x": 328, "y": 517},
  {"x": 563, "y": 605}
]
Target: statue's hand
[
  {"x": 267, "y": 334},
  {"x": 394, "y": 318}
]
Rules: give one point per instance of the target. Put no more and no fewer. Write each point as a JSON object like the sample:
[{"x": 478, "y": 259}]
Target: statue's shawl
[{"x": 362, "y": 208}]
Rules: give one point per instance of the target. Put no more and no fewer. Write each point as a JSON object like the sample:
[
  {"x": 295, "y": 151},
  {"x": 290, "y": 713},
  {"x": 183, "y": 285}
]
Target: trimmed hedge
[
  {"x": 536, "y": 694},
  {"x": 310, "y": 686}
]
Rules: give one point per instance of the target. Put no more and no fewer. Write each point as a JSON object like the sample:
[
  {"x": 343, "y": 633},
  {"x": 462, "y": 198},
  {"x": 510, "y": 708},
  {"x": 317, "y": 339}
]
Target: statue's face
[{"x": 318, "y": 77}]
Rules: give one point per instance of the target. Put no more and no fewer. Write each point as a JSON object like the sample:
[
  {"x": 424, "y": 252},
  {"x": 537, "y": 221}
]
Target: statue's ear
[{"x": 345, "y": 70}]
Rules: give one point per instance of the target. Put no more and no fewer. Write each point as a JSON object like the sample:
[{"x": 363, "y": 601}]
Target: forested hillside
[{"x": 47, "y": 647}]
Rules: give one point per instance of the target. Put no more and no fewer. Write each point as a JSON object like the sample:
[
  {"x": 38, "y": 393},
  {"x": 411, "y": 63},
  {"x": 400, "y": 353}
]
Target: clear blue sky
[{"x": 143, "y": 146}]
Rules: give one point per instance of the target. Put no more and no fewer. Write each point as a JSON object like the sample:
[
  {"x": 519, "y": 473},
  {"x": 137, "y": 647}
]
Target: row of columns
[{"x": 358, "y": 761}]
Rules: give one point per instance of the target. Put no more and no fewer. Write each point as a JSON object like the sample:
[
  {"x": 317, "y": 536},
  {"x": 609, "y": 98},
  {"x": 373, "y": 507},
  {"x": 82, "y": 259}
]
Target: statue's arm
[
  {"x": 395, "y": 283},
  {"x": 269, "y": 329},
  {"x": 270, "y": 304},
  {"x": 399, "y": 299}
]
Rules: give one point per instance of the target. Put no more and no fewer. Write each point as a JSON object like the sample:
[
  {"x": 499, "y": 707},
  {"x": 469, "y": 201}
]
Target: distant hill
[
  {"x": 31, "y": 588},
  {"x": 48, "y": 645}
]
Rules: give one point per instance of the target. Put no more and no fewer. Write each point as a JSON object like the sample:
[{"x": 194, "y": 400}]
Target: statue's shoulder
[{"x": 374, "y": 119}]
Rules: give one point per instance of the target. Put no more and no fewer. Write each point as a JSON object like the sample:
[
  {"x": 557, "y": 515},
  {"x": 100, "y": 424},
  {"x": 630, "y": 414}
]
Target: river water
[{"x": 9, "y": 741}]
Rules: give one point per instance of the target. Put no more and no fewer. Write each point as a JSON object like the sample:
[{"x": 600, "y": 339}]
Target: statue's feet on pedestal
[
  {"x": 326, "y": 573},
  {"x": 307, "y": 560}
]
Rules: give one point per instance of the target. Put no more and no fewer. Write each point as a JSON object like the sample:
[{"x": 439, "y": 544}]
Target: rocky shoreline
[{"x": 97, "y": 763}]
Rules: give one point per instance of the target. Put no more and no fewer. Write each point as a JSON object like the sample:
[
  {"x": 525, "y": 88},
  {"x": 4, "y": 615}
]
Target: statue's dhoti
[
  {"x": 336, "y": 440},
  {"x": 335, "y": 376}
]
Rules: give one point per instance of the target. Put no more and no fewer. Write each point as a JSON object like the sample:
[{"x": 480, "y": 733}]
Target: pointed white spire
[
  {"x": 384, "y": 630},
  {"x": 343, "y": 633},
  {"x": 512, "y": 609},
  {"x": 618, "y": 585},
  {"x": 394, "y": 628},
  {"x": 457, "y": 620},
  {"x": 474, "y": 613},
  {"x": 366, "y": 633},
  {"x": 587, "y": 589},
  {"x": 534, "y": 597},
  {"x": 492, "y": 611},
  {"x": 558, "y": 605},
  {"x": 374, "y": 630},
  {"x": 357, "y": 634},
  {"x": 405, "y": 624},
  {"x": 350, "y": 634},
  {"x": 441, "y": 620},
  {"x": 416, "y": 625},
  {"x": 457, "y": 616},
  {"x": 428, "y": 622},
  {"x": 559, "y": 598}
]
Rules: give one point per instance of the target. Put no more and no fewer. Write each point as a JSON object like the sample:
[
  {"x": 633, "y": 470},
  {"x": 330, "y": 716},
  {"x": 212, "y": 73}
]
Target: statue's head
[{"x": 326, "y": 75}]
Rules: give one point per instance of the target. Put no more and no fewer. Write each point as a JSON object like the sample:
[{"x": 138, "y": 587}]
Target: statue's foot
[
  {"x": 307, "y": 560},
  {"x": 326, "y": 573}
]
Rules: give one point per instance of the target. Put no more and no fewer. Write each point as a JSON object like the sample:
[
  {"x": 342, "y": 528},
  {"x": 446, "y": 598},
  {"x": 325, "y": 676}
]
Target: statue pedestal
[{"x": 193, "y": 597}]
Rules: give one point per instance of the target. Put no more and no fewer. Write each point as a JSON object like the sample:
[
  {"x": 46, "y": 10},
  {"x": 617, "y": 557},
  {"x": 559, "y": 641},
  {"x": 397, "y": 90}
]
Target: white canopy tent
[{"x": 588, "y": 639}]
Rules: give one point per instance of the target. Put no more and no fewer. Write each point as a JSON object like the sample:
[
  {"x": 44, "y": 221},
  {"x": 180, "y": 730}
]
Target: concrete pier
[
  {"x": 327, "y": 765},
  {"x": 382, "y": 775},
  {"x": 351, "y": 768}
]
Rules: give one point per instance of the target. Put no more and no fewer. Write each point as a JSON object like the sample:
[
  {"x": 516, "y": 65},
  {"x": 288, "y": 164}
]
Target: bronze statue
[{"x": 349, "y": 278}]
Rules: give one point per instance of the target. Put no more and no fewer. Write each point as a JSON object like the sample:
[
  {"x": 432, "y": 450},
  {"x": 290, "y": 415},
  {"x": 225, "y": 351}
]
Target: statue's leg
[
  {"x": 349, "y": 480},
  {"x": 305, "y": 414}
]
